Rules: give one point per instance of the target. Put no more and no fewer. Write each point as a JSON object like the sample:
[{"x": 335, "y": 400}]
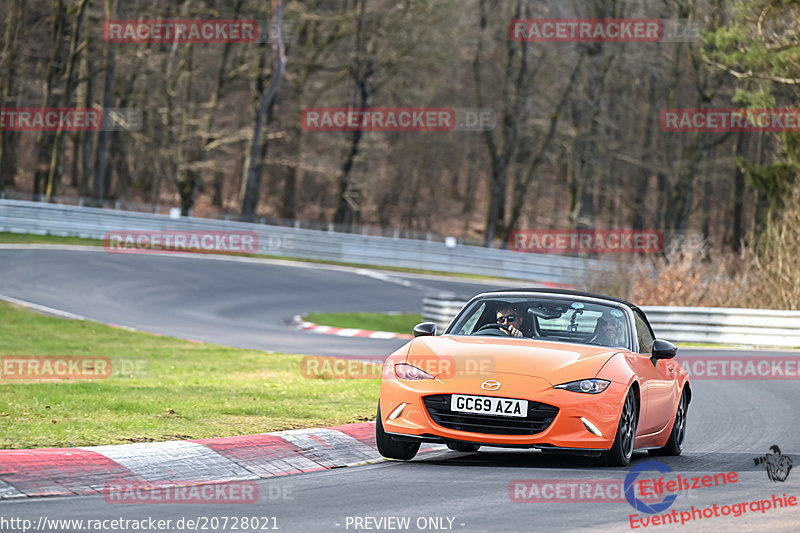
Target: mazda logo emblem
[{"x": 490, "y": 384}]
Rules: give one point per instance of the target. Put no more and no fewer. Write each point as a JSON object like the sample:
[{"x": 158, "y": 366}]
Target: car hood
[{"x": 555, "y": 362}]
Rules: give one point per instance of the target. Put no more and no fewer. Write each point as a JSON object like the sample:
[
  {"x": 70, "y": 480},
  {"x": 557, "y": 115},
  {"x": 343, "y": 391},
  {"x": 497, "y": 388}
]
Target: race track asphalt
[
  {"x": 244, "y": 304},
  {"x": 232, "y": 301},
  {"x": 730, "y": 423}
]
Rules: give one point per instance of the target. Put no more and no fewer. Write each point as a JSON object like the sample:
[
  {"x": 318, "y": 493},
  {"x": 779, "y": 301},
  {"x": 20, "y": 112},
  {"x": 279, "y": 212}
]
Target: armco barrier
[
  {"x": 718, "y": 325},
  {"x": 713, "y": 325},
  {"x": 441, "y": 310},
  {"x": 55, "y": 219}
]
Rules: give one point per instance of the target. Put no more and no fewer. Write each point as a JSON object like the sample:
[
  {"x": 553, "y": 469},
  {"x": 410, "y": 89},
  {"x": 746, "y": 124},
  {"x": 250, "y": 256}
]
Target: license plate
[{"x": 488, "y": 405}]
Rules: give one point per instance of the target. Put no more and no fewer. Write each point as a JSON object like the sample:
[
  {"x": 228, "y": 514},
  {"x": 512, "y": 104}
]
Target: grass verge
[
  {"x": 189, "y": 390},
  {"x": 397, "y": 323},
  {"x": 28, "y": 238}
]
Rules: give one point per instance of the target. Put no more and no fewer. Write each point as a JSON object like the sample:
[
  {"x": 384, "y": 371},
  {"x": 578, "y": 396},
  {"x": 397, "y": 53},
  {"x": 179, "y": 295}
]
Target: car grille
[{"x": 540, "y": 416}]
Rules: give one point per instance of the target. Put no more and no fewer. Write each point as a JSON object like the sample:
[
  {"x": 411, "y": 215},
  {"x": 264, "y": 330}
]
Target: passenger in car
[{"x": 608, "y": 332}]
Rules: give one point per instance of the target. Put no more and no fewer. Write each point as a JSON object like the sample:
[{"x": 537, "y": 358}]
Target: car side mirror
[
  {"x": 664, "y": 349},
  {"x": 425, "y": 329}
]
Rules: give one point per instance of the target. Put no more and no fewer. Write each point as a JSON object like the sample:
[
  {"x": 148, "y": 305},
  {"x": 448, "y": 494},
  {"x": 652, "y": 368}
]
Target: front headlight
[
  {"x": 589, "y": 386},
  {"x": 410, "y": 372}
]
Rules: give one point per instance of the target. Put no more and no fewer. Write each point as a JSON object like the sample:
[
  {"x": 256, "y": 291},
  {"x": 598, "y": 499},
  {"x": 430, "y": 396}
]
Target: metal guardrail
[
  {"x": 719, "y": 325},
  {"x": 713, "y": 325},
  {"x": 127, "y": 205},
  {"x": 441, "y": 310},
  {"x": 54, "y": 219}
]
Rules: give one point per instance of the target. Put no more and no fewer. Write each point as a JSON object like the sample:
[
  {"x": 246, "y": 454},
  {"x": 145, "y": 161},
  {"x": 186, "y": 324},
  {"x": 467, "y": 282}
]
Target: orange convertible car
[{"x": 556, "y": 370}]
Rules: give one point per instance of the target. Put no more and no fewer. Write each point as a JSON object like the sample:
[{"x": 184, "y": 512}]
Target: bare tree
[
  {"x": 70, "y": 77},
  {"x": 252, "y": 183},
  {"x": 44, "y": 141},
  {"x": 101, "y": 153},
  {"x": 8, "y": 89}
]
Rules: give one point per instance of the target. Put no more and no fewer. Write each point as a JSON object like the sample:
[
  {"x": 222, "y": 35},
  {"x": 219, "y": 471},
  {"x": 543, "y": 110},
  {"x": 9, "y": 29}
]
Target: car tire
[
  {"x": 465, "y": 447},
  {"x": 392, "y": 448},
  {"x": 622, "y": 450},
  {"x": 677, "y": 436}
]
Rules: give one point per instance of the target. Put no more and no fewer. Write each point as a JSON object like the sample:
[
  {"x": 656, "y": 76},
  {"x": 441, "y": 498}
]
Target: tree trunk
[
  {"x": 252, "y": 183},
  {"x": 646, "y": 148},
  {"x": 348, "y": 199},
  {"x": 349, "y": 193},
  {"x": 87, "y": 138},
  {"x": 194, "y": 175},
  {"x": 55, "y": 171},
  {"x": 44, "y": 141},
  {"x": 737, "y": 198},
  {"x": 760, "y": 201},
  {"x": 186, "y": 186},
  {"x": 288, "y": 200},
  {"x": 501, "y": 149},
  {"x": 8, "y": 89},
  {"x": 101, "y": 152}
]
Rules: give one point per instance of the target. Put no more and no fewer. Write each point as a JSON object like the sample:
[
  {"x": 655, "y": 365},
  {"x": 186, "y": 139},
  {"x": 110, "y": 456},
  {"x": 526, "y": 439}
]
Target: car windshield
[{"x": 547, "y": 318}]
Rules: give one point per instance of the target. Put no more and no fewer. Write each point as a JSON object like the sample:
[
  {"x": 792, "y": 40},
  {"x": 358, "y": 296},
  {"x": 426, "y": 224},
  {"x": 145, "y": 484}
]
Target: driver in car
[{"x": 510, "y": 317}]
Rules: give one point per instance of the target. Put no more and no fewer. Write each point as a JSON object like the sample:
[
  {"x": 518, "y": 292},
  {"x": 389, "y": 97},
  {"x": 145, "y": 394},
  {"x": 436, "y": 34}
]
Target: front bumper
[{"x": 566, "y": 432}]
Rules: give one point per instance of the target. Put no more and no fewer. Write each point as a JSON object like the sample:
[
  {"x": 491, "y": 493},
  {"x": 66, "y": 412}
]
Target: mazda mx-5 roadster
[{"x": 556, "y": 370}]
